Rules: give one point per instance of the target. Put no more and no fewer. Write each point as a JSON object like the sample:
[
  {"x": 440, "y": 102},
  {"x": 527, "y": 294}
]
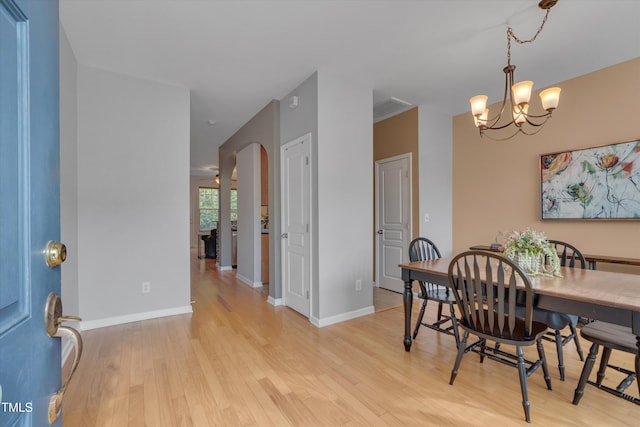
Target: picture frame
[{"x": 594, "y": 183}]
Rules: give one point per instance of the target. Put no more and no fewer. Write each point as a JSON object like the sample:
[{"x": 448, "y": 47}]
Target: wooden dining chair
[
  {"x": 423, "y": 249},
  {"x": 571, "y": 257},
  {"x": 484, "y": 285},
  {"x": 610, "y": 337}
]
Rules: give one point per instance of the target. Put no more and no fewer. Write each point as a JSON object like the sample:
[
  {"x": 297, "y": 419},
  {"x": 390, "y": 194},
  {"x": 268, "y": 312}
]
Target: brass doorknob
[{"x": 55, "y": 253}]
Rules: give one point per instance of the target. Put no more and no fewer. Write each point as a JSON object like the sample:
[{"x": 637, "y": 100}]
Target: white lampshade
[
  {"x": 522, "y": 92},
  {"x": 478, "y": 105},
  {"x": 550, "y": 98},
  {"x": 481, "y": 120},
  {"x": 520, "y": 113}
]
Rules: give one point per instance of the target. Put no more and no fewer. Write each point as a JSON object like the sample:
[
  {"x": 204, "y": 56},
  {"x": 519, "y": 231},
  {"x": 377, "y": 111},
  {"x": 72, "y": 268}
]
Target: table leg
[{"x": 407, "y": 299}]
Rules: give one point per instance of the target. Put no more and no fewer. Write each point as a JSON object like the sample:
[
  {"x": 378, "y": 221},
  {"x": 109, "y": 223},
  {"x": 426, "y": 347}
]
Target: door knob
[
  {"x": 285, "y": 235},
  {"x": 380, "y": 231},
  {"x": 53, "y": 319},
  {"x": 55, "y": 253}
]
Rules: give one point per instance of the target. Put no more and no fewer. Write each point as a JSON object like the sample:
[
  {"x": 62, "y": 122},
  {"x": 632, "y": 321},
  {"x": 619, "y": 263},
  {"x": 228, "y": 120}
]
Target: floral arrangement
[{"x": 533, "y": 252}]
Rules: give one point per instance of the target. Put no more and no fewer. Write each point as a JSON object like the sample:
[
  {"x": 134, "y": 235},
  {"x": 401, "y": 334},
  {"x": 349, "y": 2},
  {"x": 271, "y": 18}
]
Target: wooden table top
[{"x": 605, "y": 288}]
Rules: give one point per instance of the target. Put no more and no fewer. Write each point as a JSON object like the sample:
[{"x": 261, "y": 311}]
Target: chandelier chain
[{"x": 511, "y": 35}]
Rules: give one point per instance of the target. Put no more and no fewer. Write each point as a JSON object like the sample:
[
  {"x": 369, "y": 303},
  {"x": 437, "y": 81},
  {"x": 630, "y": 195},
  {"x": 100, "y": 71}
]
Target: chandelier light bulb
[
  {"x": 550, "y": 98},
  {"x": 522, "y": 92},
  {"x": 481, "y": 120},
  {"x": 478, "y": 105}
]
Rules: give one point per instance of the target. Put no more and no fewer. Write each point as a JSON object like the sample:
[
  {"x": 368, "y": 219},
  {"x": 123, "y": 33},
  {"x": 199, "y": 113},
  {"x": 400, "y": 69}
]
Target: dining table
[{"x": 599, "y": 295}]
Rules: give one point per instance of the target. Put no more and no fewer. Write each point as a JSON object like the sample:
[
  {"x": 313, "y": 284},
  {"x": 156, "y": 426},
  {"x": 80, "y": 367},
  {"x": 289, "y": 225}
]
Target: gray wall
[
  {"x": 338, "y": 114},
  {"x": 345, "y": 198},
  {"x": 132, "y": 198},
  {"x": 249, "y": 237},
  {"x": 264, "y": 129}
]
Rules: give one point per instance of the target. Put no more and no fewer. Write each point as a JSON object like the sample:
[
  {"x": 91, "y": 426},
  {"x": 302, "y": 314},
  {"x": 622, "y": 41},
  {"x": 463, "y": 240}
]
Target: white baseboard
[
  {"x": 342, "y": 317},
  {"x": 224, "y": 267},
  {"x": 119, "y": 320},
  {"x": 274, "y": 301},
  {"x": 248, "y": 281}
]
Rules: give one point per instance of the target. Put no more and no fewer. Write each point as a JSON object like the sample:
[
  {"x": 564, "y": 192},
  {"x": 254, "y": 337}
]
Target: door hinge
[
  {"x": 306, "y": 159},
  {"x": 307, "y": 294},
  {"x": 307, "y": 228}
]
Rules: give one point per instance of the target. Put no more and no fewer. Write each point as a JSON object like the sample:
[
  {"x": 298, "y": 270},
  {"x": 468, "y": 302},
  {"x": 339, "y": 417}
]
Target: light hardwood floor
[{"x": 238, "y": 361}]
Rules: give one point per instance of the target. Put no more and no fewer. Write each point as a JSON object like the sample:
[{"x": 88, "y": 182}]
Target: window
[
  {"x": 209, "y": 205},
  {"x": 234, "y": 205}
]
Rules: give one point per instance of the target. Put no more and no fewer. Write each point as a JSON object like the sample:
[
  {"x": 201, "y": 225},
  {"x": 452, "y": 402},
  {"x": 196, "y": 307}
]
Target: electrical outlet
[
  {"x": 146, "y": 287},
  {"x": 358, "y": 285}
]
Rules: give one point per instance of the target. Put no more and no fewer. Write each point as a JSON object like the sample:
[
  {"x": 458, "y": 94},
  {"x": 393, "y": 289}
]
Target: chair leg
[
  {"x": 483, "y": 349},
  {"x": 560, "y": 354},
  {"x": 456, "y": 365},
  {"x": 577, "y": 341},
  {"x": 454, "y": 322},
  {"x": 522, "y": 371},
  {"x": 545, "y": 366},
  {"x": 586, "y": 371},
  {"x": 420, "y": 316},
  {"x": 439, "y": 311},
  {"x": 604, "y": 361},
  {"x": 638, "y": 369}
]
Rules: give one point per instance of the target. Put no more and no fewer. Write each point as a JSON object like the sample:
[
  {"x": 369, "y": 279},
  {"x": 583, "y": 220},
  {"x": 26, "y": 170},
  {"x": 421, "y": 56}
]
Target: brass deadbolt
[{"x": 55, "y": 253}]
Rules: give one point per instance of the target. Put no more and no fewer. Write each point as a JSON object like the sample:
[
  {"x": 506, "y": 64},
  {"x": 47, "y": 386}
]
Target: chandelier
[{"x": 516, "y": 96}]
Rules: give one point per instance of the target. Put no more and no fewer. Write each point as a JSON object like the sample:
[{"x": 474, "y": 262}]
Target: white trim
[
  {"x": 342, "y": 317},
  {"x": 225, "y": 267},
  {"x": 248, "y": 282},
  {"x": 119, "y": 320},
  {"x": 275, "y": 301}
]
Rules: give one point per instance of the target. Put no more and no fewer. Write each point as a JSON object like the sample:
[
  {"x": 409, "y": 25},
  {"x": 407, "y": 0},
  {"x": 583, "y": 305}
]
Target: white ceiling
[{"x": 236, "y": 56}]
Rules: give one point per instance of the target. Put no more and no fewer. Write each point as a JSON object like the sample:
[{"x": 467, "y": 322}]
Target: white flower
[{"x": 533, "y": 243}]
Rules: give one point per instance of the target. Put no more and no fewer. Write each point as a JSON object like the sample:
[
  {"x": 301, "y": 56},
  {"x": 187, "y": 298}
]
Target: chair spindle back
[
  {"x": 423, "y": 249},
  {"x": 569, "y": 255},
  {"x": 486, "y": 283}
]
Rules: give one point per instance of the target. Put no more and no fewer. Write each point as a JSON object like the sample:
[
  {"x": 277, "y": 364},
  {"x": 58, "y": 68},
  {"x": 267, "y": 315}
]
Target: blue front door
[{"x": 29, "y": 208}]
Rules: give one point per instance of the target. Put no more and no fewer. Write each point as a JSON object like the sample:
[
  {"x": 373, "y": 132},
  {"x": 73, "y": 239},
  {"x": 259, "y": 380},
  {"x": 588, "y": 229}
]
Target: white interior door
[
  {"x": 296, "y": 213},
  {"x": 393, "y": 219}
]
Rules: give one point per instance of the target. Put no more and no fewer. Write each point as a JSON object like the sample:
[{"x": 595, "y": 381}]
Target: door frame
[
  {"x": 409, "y": 206},
  {"x": 308, "y": 139}
]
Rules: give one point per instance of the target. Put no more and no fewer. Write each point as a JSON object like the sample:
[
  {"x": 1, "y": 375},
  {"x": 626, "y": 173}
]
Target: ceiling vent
[{"x": 389, "y": 108}]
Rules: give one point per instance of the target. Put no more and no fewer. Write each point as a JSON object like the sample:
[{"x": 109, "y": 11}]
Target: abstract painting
[{"x": 592, "y": 183}]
